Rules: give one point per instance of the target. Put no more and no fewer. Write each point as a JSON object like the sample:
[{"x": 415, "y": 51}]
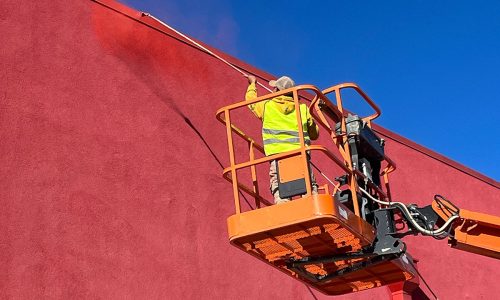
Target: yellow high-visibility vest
[{"x": 280, "y": 131}]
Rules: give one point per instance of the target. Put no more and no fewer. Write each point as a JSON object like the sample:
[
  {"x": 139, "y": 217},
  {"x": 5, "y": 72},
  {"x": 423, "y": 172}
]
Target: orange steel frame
[
  {"x": 230, "y": 173},
  {"x": 477, "y": 233},
  {"x": 342, "y": 144},
  {"x": 252, "y": 230},
  {"x": 473, "y": 232},
  {"x": 340, "y": 141}
]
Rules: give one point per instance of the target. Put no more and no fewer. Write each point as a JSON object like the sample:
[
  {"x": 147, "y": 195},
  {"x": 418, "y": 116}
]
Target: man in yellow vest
[{"x": 279, "y": 126}]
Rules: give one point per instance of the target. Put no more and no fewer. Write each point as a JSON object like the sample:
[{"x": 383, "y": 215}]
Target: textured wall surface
[{"x": 110, "y": 184}]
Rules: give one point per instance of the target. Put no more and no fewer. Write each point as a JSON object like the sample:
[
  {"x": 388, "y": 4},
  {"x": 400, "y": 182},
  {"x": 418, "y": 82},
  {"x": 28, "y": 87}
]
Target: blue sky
[{"x": 432, "y": 66}]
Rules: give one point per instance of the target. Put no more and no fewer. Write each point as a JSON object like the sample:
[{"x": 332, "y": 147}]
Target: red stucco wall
[{"x": 109, "y": 184}]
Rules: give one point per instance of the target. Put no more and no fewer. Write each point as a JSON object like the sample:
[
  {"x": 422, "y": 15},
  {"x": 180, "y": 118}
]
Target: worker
[{"x": 279, "y": 126}]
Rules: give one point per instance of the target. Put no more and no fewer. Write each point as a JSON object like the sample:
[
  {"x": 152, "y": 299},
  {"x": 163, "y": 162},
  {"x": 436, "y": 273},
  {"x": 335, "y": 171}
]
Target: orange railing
[
  {"x": 335, "y": 114},
  {"x": 338, "y": 97},
  {"x": 345, "y": 151}
]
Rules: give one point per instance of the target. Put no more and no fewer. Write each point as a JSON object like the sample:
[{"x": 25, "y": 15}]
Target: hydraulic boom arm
[
  {"x": 472, "y": 231},
  {"x": 466, "y": 230}
]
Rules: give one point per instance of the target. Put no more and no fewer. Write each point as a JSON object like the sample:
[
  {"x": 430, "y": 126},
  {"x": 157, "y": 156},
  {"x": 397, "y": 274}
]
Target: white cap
[{"x": 282, "y": 83}]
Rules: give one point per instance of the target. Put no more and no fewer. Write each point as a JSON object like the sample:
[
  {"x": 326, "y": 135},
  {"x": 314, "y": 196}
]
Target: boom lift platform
[{"x": 344, "y": 238}]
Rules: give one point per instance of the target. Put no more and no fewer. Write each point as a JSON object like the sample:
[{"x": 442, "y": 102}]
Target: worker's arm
[
  {"x": 256, "y": 108},
  {"x": 312, "y": 127}
]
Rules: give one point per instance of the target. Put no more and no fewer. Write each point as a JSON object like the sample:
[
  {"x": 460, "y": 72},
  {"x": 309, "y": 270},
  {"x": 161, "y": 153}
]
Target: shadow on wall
[
  {"x": 144, "y": 56},
  {"x": 149, "y": 59},
  {"x": 418, "y": 294}
]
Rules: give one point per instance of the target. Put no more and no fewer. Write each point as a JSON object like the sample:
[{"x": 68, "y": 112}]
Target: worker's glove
[{"x": 251, "y": 79}]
